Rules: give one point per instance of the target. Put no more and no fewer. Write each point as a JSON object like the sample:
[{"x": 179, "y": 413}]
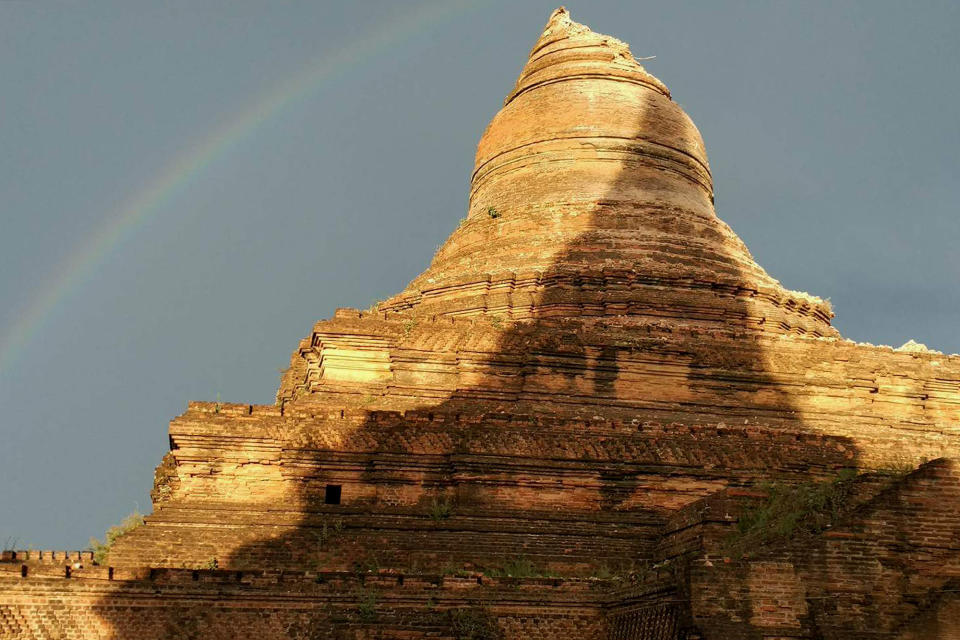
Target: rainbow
[{"x": 80, "y": 266}]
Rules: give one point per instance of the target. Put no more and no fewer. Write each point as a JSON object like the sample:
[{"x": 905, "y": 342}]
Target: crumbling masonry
[{"x": 562, "y": 429}]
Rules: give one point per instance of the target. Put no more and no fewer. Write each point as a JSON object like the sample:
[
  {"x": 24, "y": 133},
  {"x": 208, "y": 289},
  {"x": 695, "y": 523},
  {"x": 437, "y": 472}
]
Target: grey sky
[{"x": 831, "y": 127}]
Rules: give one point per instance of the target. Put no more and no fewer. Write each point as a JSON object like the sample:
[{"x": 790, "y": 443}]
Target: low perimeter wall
[{"x": 99, "y": 603}]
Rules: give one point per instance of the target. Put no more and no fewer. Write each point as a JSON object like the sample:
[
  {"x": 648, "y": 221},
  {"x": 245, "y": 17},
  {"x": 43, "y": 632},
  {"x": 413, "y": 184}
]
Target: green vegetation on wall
[{"x": 102, "y": 549}]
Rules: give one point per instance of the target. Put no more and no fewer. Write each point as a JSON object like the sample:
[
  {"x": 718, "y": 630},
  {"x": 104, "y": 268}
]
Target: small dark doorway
[{"x": 332, "y": 495}]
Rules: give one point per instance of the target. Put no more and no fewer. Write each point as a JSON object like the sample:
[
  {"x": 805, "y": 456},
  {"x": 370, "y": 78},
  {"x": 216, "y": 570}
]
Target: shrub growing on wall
[{"x": 101, "y": 549}]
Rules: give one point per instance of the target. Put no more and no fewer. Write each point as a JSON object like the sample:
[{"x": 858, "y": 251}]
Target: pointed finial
[
  {"x": 558, "y": 13},
  {"x": 560, "y": 18}
]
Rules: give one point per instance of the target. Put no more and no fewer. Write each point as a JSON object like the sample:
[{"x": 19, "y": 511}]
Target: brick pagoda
[{"x": 569, "y": 426}]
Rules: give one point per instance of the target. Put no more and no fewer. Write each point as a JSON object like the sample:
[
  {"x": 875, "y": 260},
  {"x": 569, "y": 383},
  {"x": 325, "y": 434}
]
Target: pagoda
[{"x": 594, "y": 415}]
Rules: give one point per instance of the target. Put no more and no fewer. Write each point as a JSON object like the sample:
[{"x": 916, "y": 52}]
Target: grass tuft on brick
[
  {"x": 519, "y": 567},
  {"x": 440, "y": 509},
  {"x": 790, "y": 510},
  {"x": 474, "y": 623}
]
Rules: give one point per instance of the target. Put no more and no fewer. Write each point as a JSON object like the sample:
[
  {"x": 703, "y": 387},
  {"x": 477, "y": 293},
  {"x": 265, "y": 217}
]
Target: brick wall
[
  {"x": 300, "y": 606},
  {"x": 247, "y": 486},
  {"x": 889, "y": 569}
]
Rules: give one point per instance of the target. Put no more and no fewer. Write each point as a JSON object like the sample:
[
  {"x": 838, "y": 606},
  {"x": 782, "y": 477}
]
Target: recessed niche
[{"x": 332, "y": 494}]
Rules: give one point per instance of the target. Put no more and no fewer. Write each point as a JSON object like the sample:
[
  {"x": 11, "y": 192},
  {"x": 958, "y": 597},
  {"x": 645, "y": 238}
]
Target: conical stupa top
[
  {"x": 567, "y": 48},
  {"x": 591, "y": 195}
]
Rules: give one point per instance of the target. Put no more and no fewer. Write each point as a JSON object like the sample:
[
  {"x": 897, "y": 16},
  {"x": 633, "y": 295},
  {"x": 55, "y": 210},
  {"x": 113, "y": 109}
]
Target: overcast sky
[{"x": 188, "y": 186}]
